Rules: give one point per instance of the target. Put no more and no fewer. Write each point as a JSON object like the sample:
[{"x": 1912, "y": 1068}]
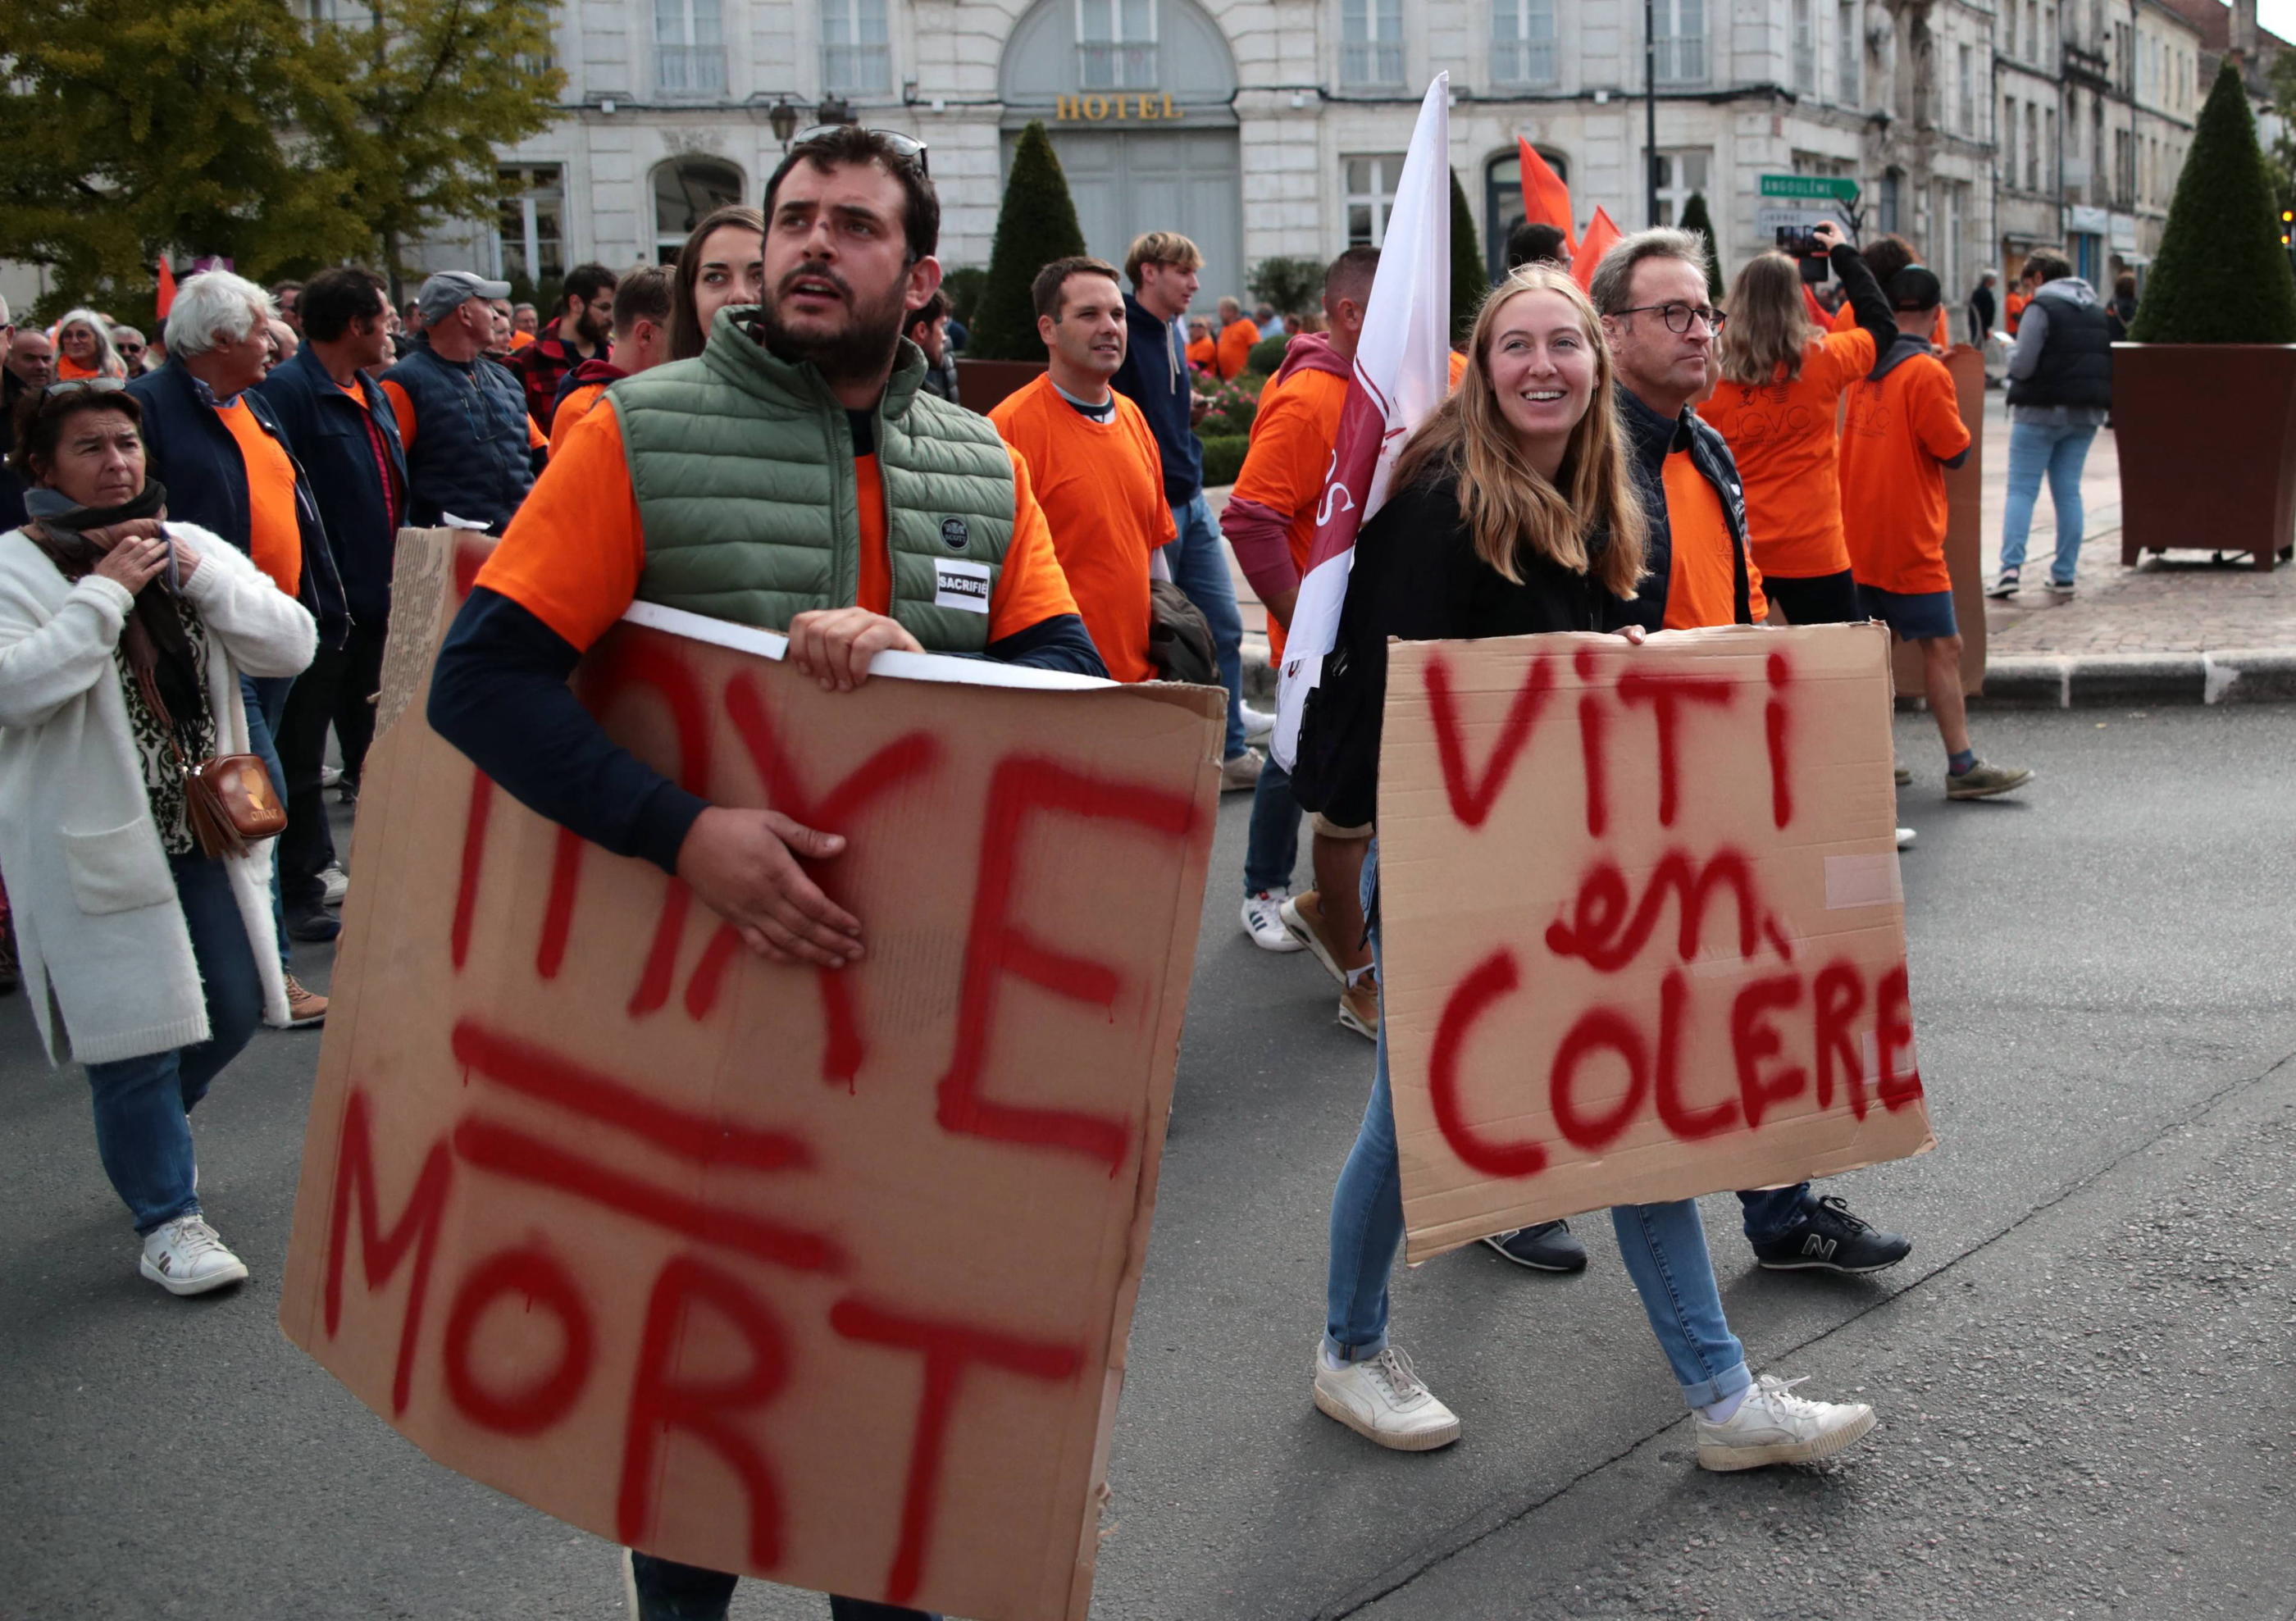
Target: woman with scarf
[
  {"x": 146, "y": 958},
  {"x": 85, "y": 349}
]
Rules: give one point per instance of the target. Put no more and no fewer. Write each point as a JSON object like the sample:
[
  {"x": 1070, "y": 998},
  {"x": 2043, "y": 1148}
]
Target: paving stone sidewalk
[{"x": 2179, "y": 628}]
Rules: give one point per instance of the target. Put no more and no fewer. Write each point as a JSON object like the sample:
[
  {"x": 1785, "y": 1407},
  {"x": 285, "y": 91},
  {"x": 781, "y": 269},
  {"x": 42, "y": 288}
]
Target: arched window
[
  {"x": 1503, "y": 200},
  {"x": 685, "y": 190}
]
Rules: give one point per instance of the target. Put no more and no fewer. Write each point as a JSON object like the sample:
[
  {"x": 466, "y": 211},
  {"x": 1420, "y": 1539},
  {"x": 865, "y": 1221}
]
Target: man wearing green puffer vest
[{"x": 794, "y": 476}]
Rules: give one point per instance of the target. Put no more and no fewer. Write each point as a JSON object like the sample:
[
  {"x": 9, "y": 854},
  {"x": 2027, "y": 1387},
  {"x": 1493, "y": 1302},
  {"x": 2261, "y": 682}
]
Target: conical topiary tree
[
  {"x": 1696, "y": 219},
  {"x": 1037, "y": 224},
  {"x": 1471, "y": 278},
  {"x": 2221, "y": 275}
]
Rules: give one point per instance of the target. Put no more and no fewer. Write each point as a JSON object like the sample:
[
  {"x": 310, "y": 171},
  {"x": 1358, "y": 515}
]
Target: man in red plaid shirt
[{"x": 580, "y": 331}]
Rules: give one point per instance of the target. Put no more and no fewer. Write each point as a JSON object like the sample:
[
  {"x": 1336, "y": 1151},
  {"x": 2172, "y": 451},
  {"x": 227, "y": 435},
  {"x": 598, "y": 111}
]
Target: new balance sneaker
[
  {"x": 1263, "y": 919},
  {"x": 1829, "y": 1239},
  {"x": 1774, "y": 1426},
  {"x": 338, "y": 884},
  {"x": 1983, "y": 781},
  {"x": 1241, "y": 773},
  {"x": 1547, "y": 1247},
  {"x": 2004, "y": 586},
  {"x": 2061, "y": 591},
  {"x": 184, "y": 1256},
  {"x": 1258, "y": 725},
  {"x": 1303, "y": 918},
  {"x": 1359, "y": 1006},
  {"x": 304, "y": 1008},
  {"x": 1382, "y": 1400}
]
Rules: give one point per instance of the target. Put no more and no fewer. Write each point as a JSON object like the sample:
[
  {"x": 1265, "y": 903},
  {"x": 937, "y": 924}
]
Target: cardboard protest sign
[
  {"x": 819, "y": 1275},
  {"x": 1642, "y": 931}
]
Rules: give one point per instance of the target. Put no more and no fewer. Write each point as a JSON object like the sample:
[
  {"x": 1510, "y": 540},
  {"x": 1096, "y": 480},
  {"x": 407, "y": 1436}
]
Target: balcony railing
[
  {"x": 857, "y": 69},
  {"x": 1371, "y": 64},
  {"x": 690, "y": 69},
  {"x": 1681, "y": 59},
  {"x": 1523, "y": 61}
]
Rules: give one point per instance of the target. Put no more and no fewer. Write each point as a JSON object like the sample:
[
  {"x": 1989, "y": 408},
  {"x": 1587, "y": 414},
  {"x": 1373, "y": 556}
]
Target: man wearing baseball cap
[{"x": 472, "y": 450}]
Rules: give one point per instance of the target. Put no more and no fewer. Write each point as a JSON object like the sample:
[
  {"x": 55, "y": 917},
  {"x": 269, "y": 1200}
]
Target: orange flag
[
  {"x": 1602, "y": 236},
  {"x": 166, "y": 288},
  {"x": 1545, "y": 199}
]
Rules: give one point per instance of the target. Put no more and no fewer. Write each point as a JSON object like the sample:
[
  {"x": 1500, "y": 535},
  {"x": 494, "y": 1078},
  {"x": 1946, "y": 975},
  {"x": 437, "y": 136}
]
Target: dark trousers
[
  {"x": 355, "y": 695},
  {"x": 307, "y": 848},
  {"x": 668, "y": 1591}
]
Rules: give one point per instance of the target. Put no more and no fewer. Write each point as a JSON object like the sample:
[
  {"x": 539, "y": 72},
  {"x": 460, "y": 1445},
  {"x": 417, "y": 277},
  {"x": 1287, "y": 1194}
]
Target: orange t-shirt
[
  {"x": 1782, "y": 436},
  {"x": 1284, "y": 471},
  {"x": 1203, "y": 353},
  {"x": 274, "y": 534},
  {"x": 571, "y": 410},
  {"x": 69, "y": 370},
  {"x": 1102, "y": 488},
  {"x": 518, "y": 341},
  {"x": 573, "y": 554},
  {"x": 1845, "y": 320},
  {"x": 1900, "y": 432},
  {"x": 1235, "y": 341},
  {"x": 2014, "y": 311},
  {"x": 1701, "y": 585}
]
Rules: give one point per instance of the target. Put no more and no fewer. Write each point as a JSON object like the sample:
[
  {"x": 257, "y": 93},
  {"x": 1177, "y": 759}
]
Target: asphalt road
[{"x": 2086, "y": 1373}]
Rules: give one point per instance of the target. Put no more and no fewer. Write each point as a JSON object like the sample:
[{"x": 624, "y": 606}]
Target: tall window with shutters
[
  {"x": 689, "y": 48},
  {"x": 1116, "y": 44},
  {"x": 1805, "y": 46},
  {"x": 1679, "y": 29},
  {"x": 857, "y": 50},
  {"x": 1371, "y": 42},
  {"x": 1522, "y": 43}
]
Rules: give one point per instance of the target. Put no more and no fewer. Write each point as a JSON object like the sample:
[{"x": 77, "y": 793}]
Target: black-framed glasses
[
  {"x": 93, "y": 385},
  {"x": 1678, "y": 316},
  {"x": 906, "y": 147}
]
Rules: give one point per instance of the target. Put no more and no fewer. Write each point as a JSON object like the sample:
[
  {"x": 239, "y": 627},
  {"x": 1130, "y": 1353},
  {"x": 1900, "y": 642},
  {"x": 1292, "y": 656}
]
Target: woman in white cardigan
[{"x": 144, "y": 959}]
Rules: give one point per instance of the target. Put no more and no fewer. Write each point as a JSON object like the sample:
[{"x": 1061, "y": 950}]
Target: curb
[{"x": 2266, "y": 674}]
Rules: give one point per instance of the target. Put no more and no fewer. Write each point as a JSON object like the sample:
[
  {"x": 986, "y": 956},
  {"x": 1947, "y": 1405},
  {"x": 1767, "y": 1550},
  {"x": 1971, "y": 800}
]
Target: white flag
[{"x": 1402, "y": 371}]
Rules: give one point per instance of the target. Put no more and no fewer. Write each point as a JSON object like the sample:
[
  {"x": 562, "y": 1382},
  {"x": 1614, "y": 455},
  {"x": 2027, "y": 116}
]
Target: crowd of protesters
[{"x": 199, "y": 568}]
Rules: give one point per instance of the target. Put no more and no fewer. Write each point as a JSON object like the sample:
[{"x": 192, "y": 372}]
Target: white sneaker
[
  {"x": 1905, "y": 837},
  {"x": 338, "y": 883},
  {"x": 1382, "y": 1399},
  {"x": 1263, "y": 919},
  {"x": 184, "y": 1256},
  {"x": 1258, "y": 725},
  {"x": 330, "y": 776},
  {"x": 1772, "y": 1425}
]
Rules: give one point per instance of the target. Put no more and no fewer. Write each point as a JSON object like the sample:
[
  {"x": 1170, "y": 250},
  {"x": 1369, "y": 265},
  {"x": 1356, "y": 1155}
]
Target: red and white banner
[{"x": 1402, "y": 370}]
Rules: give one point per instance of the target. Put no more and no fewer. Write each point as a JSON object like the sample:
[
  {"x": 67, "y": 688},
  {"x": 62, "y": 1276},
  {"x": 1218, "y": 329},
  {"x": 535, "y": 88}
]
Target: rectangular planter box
[
  {"x": 2207, "y": 435},
  {"x": 982, "y": 385}
]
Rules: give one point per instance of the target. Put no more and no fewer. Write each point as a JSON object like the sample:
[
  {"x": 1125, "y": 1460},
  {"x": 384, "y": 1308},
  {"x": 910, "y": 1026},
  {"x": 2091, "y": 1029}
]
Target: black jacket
[
  {"x": 1650, "y": 439},
  {"x": 187, "y": 448},
  {"x": 330, "y": 429},
  {"x": 1165, "y": 393},
  {"x": 1416, "y": 576}
]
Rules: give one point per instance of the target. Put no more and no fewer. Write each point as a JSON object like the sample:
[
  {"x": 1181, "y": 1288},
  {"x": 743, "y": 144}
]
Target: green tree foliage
[
  {"x": 1267, "y": 353},
  {"x": 421, "y": 94},
  {"x": 1292, "y": 286},
  {"x": 1037, "y": 224},
  {"x": 963, "y": 285},
  {"x": 229, "y": 127},
  {"x": 1696, "y": 219},
  {"x": 1470, "y": 276},
  {"x": 2222, "y": 275}
]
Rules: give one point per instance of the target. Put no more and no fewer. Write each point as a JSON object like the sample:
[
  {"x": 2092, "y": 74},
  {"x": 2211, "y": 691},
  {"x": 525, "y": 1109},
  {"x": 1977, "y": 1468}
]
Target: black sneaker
[
  {"x": 1547, "y": 1247},
  {"x": 2005, "y": 586},
  {"x": 313, "y": 924},
  {"x": 1829, "y": 1239},
  {"x": 346, "y": 792}
]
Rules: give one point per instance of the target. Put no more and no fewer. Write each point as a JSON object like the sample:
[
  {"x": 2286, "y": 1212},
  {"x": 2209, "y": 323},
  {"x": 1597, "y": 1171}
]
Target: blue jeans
[
  {"x": 266, "y": 706},
  {"x": 668, "y": 1591},
  {"x": 1198, "y": 563},
  {"x": 1772, "y": 1210},
  {"x": 2036, "y": 448},
  {"x": 1664, "y": 1246},
  {"x": 1271, "y": 852},
  {"x": 142, "y": 1133}
]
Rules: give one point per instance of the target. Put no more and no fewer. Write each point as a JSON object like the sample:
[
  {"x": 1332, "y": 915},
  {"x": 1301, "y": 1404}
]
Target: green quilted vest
[{"x": 742, "y": 465}]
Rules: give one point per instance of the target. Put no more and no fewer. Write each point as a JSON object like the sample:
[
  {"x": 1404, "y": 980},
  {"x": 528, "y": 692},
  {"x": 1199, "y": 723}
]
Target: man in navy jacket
[{"x": 344, "y": 433}]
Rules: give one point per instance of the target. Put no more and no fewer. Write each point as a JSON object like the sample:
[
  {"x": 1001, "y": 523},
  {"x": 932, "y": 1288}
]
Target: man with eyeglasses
[
  {"x": 1650, "y": 291},
  {"x": 794, "y": 476}
]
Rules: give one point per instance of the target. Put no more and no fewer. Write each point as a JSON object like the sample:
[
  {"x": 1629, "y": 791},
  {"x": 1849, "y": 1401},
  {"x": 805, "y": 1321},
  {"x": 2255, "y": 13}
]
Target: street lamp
[
  {"x": 836, "y": 110},
  {"x": 783, "y": 120}
]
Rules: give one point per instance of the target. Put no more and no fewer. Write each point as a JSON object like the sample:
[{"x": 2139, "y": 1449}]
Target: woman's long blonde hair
[
  {"x": 1509, "y": 505},
  {"x": 1769, "y": 322}
]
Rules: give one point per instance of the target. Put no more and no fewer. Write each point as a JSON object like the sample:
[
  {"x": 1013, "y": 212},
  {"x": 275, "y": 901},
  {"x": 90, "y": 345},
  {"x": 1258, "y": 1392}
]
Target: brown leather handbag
[{"x": 229, "y": 800}]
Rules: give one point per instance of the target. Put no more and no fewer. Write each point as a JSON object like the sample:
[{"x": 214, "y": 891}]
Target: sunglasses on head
[
  {"x": 93, "y": 385},
  {"x": 908, "y": 148}
]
